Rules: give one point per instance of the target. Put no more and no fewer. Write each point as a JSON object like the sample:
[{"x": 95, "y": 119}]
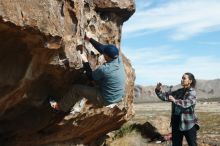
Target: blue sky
[{"x": 165, "y": 38}]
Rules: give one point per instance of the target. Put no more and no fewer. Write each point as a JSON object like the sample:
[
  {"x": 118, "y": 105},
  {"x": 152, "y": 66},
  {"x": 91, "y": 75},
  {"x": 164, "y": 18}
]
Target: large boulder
[{"x": 34, "y": 36}]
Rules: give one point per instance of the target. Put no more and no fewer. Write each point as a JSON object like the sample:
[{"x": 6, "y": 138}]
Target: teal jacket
[{"x": 110, "y": 76}]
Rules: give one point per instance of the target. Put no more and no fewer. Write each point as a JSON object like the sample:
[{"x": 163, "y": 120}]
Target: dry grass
[
  {"x": 210, "y": 123},
  {"x": 208, "y": 114},
  {"x": 131, "y": 139}
]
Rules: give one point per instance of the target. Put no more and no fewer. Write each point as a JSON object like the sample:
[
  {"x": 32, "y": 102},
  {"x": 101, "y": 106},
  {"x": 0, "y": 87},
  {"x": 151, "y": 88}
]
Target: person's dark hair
[{"x": 191, "y": 77}]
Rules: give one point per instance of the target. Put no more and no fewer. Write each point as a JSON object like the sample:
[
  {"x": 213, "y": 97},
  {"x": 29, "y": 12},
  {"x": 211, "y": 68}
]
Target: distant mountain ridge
[{"x": 206, "y": 90}]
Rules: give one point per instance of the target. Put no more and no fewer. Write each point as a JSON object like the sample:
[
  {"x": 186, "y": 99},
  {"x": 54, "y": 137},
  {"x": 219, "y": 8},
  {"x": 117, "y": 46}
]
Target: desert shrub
[{"x": 124, "y": 130}]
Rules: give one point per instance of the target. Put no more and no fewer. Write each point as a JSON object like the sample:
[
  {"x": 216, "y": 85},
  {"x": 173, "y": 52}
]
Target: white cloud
[
  {"x": 152, "y": 55},
  {"x": 151, "y": 66},
  {"x": 185, "y": 18},
  {"x": 171, "y": 74}
]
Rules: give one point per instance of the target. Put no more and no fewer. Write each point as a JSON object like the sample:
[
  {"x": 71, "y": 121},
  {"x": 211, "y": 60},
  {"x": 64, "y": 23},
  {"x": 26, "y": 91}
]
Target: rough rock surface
[{"x": 35, "y": 35}]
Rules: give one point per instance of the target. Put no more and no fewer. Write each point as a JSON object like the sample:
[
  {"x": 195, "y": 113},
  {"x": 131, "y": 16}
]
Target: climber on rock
[{"x": 110, "y": 78}]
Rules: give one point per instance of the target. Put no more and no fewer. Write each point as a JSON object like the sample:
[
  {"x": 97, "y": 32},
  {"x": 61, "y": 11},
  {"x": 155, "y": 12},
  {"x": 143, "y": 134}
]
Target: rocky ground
[
  {"x": 158, "y": 114},
  {"x": 153, "y": 120}
]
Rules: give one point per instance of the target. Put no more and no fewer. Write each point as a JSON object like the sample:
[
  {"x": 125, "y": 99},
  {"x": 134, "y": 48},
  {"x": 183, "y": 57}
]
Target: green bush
[{"x": 124, "y": 130}]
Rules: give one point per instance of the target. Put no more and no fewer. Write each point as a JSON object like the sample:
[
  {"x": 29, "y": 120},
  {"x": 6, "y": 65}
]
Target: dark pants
[{"x": 177, "y": 135}]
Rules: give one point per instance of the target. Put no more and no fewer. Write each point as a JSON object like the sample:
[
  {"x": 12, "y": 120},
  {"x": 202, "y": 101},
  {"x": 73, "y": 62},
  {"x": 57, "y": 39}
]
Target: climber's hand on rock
[
  {"x": 84, "y": 57},
  {"x": 86, "y": 37}
]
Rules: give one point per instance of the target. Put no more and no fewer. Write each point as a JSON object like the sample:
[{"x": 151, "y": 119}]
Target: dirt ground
[{"x": 207, "y": 112}]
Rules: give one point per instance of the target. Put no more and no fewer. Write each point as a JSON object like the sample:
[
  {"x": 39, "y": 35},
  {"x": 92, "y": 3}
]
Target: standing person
[
  {"x": 110, "y": 78},
  {"x": 183, "y": 118}
]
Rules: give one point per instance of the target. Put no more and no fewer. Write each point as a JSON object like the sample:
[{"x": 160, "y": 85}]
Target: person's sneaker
[
  {"x": 53, "y": 104},
  {"x": 112, "y": 105},
  {"x": 78, "y": 106}
]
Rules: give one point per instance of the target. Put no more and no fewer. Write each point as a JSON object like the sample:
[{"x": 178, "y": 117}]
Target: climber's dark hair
[{"x": 192, "y": 78}]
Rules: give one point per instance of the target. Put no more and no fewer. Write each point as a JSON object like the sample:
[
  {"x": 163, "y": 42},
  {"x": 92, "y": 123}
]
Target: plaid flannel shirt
[{"x": 183, "y": 106}]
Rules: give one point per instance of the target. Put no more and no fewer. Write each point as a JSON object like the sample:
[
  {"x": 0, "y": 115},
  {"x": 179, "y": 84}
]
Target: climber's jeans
[{"x": 78, "y": 92}]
